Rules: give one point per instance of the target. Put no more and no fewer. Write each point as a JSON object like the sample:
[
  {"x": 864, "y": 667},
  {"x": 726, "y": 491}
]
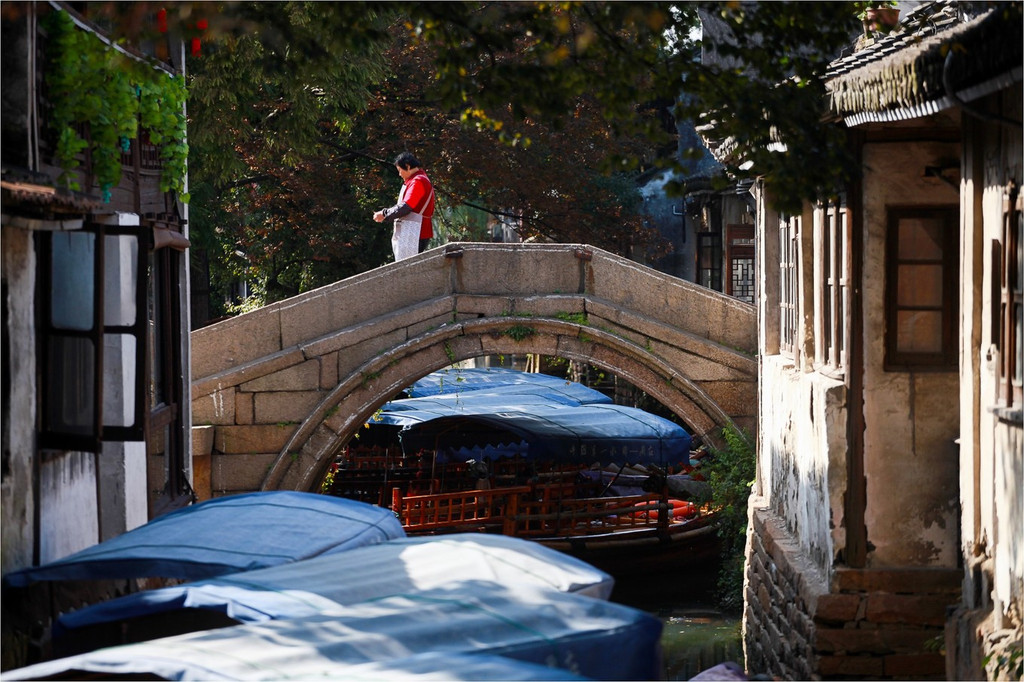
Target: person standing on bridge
[{"x": 414, "y": 211}]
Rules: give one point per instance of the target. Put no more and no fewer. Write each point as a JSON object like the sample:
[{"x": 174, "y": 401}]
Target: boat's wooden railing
[
  {"x": 587, "y": 516},
  {"x": 525, "y": 511},
  {"x": 458, "y": 510}
]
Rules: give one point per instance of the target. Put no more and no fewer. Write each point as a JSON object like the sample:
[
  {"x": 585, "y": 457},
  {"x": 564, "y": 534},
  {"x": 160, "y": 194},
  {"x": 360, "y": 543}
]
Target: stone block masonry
[
  {"x": 284, "y": 388},
  {"x": 860, "y": 624}
]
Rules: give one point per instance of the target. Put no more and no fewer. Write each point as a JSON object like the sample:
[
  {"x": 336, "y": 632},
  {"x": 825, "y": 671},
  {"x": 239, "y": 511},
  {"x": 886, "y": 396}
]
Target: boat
[
  {"x": 525, "y": 625},
  {"x": 536, "y": 457},
  {"x": 225, "y": 535},
  {"x": 326, "y": 583}
]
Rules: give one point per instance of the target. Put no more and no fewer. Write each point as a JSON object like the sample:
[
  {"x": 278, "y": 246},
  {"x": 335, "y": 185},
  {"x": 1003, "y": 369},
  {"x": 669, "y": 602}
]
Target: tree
[
  {"x": 554, "y": 187},
  {"x": 762, "y": 92},
  {"x": 288, "y": 164},
  {"x": 279, "y": 91},
  {"x": 273, "y": 202}
]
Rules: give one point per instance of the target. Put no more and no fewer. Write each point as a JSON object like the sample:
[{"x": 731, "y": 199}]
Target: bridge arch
[
  {"x": 291, "y": 384},
  {"x": 314, "y": 445}
]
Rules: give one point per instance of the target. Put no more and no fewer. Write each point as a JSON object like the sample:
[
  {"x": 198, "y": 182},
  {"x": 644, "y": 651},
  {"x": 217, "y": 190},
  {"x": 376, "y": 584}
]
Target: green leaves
[
  {"x": 731, "y": 473},
  {"x": 91, "y": 85}
]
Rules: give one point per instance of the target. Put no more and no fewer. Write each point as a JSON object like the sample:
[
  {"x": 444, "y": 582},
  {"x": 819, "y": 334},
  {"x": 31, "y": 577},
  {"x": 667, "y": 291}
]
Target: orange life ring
[{"x": 681, "y": 509}]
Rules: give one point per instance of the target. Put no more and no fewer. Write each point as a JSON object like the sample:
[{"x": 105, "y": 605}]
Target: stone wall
[
  {"x": 857, "y": 624},
  {"x": 782, "y": 589}
]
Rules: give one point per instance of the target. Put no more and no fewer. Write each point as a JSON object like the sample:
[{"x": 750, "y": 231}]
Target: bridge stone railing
[{"x": 260, "y": 380}]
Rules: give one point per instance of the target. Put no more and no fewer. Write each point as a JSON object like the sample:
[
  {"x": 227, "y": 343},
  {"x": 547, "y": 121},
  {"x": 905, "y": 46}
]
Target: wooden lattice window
[
  {"x": 789, "y": 233},
  {"x": 834, "y": 292},
  {"x": 739, "y": 258}
]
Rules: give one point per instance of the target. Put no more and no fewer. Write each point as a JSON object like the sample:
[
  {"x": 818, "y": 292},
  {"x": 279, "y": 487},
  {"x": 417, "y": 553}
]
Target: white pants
[{"x": 406, "y": 239}]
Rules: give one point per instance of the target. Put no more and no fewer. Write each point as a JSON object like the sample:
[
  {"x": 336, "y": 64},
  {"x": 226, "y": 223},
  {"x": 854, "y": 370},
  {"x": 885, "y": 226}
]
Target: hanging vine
[{"x": 91, "y": 86}]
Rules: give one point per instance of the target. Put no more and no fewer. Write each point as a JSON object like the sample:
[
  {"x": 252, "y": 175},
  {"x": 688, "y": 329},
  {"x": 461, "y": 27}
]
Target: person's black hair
[{"x": 406, "y": 160}]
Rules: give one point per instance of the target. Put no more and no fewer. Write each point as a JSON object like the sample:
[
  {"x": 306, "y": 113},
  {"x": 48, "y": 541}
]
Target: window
[
  {"x": 91, "y": 332},
  {"x": 1011, "y": 301},
  {"x": 921, "y": 293},
  {"x": 709, "y": 260},
  {"x": 168, "y": 481},
  {"x": 834, "y": 284},
  {"x": 740, "y": 262},
  {"x": 789, "y": 234}
]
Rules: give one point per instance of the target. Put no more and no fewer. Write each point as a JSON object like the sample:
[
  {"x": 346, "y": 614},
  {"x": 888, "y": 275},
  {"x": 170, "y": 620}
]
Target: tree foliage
[
  {"x": 759, "y": 91},
  {"x": 534, "y": 110},
  {"x": 554, "y": 188},
  {"x": 730, "y": 471},
  {"x": 291, "y": 158}
]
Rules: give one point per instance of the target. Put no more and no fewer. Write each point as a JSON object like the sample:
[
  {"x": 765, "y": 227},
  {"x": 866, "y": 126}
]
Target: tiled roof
[
  {"x": 33, "y": 197},
  {"x": 900, "y": 76}
]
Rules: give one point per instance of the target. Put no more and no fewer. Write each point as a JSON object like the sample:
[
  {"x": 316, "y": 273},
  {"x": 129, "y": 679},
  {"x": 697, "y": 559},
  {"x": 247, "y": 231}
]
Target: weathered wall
[
  {"x": 782, "y": 589},
  {"x": 803, "y": 624},
  {"x": 912, "y": 418},
  {"x": 19, "y": 418},
  {"x": 991, "y": 437},
  {"x": 803, "y": 451}
]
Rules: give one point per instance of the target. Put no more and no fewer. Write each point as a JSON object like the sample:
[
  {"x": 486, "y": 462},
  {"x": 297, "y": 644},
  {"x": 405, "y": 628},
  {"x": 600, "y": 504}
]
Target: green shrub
[{"x": 730, "y": 472}]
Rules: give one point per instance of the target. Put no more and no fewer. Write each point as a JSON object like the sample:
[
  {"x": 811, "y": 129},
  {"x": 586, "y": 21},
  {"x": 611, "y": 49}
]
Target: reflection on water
[
  {"x": 697, "y": 634},
  {"x": 695, "y": 640}
]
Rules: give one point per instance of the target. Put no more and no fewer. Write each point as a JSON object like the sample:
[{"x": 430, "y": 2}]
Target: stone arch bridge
[{"x": 277, "y": 392}]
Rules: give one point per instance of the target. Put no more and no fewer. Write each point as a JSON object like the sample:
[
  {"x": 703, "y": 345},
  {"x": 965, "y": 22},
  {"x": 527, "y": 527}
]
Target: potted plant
[{"x": 880, "y": 16}]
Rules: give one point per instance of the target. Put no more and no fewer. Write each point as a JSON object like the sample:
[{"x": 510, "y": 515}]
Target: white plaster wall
[
  {"x": 19, "y": 273},
  {"x": 804, "y": 450},
  {"x": 992, "y": 481},
  {"x": 1007, "y": 496},
  {"x": 68, "y": 512},
  {"x": 911, "y": 419},
  {"x": 123, "y": 487}
]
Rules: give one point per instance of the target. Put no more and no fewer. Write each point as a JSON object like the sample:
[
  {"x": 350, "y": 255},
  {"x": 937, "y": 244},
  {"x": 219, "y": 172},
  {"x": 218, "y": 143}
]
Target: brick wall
[{"x": 860, "y": 624}]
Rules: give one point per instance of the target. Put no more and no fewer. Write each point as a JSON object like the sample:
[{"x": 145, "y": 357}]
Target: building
[
  {"x": 710, "y": 228},
  {"x": 96, "y": 425},
  {"x": 886, "y": 525}
]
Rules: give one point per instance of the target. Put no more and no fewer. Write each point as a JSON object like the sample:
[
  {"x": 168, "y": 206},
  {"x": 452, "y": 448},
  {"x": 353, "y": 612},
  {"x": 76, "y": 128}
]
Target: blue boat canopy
[
  {"x": 491, "y": 414},
  {"x": 226, "y": 535},
  {"x": 325, "y": 583},
  {"x": 531, "y": 625},
  {"x": 506, "y": 380}
]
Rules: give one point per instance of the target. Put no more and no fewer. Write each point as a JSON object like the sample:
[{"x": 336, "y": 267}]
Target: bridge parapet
[
  {"x": 525, "y": 278},
  {"x": 281, "y": 387}
]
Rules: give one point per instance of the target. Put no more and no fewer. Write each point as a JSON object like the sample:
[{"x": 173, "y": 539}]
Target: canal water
[{"x": 697, "y": 634}]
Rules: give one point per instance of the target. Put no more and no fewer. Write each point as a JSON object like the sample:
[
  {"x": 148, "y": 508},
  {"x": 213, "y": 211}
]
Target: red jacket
[{"x": 418, "y": 193}]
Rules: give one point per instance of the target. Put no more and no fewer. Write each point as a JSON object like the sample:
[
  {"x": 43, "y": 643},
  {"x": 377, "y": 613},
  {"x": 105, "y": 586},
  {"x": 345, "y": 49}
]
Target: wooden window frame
[
  {"x": 1007, "y": 333},
  {"x": 709, "y": 259},
  {"x": 739, "y": 246},
  {"x": 166, "y": 408},
  {"x": 789, "y": 245},
  {"x": 946, "y": 357},
  {"x": 54, "y": 434},
  {"x": 835, "y": 283}
]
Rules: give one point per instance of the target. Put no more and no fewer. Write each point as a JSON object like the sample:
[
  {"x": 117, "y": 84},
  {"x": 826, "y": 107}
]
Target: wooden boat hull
[{"x": 643, "y": 552}]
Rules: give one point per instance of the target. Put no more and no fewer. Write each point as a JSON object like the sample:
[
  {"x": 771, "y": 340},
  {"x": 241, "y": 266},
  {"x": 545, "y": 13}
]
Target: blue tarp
[
  {"x": 309, "y": 587},
  {"x": 452, "y": 380},
  {"x": 588, "y": 637},
  {"x": 580, "y": 435},
  {"x": 492, "y": 413},
  {"x": 226, "y": 535}
]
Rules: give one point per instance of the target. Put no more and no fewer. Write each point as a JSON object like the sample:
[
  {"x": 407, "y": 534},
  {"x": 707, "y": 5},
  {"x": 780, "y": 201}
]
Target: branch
[{"x": 244, "y": 181}]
